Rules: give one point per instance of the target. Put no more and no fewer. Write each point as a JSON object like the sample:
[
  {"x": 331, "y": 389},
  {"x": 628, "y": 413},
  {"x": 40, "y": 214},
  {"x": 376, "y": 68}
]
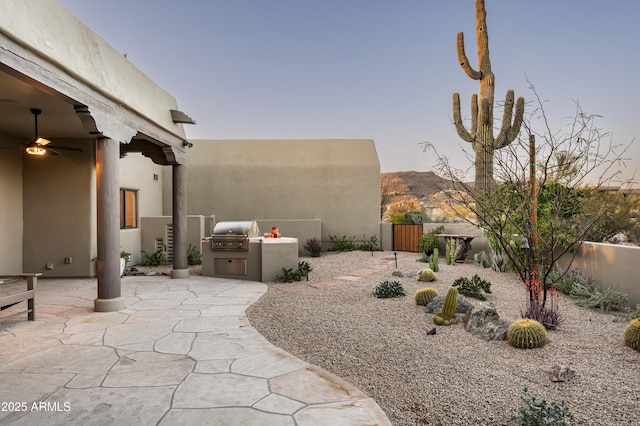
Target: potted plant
[
  {"x": 124, "y": 258},
  {"x": 429, "y": 241}
]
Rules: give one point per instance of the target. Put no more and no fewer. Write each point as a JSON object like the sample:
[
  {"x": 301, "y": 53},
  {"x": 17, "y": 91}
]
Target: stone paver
[{"x": 181, "y": 352}]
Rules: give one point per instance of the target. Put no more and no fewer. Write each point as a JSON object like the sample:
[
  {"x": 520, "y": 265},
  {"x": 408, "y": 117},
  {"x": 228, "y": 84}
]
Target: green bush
[
  {"x": 194, "y": 257},
  {"x": 156, "y": 259},
  {"x": 388, "y": 289},
  {"x": 473, "y": 287},
  {"x": 342, "y": 244},
  {"x": 571, "y": 282},
  {"x": 313, "y": 246},
  {"x": 609, "y": 299},
  {"x": 371, "y": 244},
  {"x": 540, "y": 412},
  {"x": 429, "y": 241},
  {"x": 289, "y": 275}
]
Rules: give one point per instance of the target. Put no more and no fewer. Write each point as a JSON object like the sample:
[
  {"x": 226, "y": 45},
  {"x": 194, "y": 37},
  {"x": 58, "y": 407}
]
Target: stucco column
[
  {"x": 180, "y": 266},
  {"x": 108, "y": 231}
]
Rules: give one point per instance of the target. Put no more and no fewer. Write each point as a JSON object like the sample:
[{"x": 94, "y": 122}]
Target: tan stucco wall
[
  {"x": 609, "y": 265},
  {"x": 10, "y": 208},
  {"x": 137, "y": 173},
  {"x": 46, "y": 27},
  {"x": 59, "y": 199},
  {"x": 334, "y": 180}
]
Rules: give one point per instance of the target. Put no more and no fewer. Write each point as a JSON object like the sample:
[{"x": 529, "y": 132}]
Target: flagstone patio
[{"x": 182, "y": 352}]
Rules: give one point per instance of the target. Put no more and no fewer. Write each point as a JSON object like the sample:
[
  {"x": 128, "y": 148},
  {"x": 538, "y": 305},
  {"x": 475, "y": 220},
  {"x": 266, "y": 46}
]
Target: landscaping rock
[
  {"x": 484, "y": 322},
  {"x": 437, "y": 303}
]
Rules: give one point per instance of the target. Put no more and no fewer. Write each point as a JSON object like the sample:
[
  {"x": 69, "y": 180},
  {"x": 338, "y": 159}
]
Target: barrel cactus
[
  {"x": 426, "y": 275},
  {"x": 448, "y": 313},
  {"x": 632, "y": 334},
  {"x": 527, "y": 334},
  {"x": 425, "y": 295}
]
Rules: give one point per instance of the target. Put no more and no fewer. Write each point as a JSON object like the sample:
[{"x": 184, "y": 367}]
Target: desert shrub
[
  {"x": 538, "y": 412},
  {"x": 636, "y": 314},
  {"x": 571, "y": 282},
  {"x": 388, "y": 289},
  {"x": 313, "y": 246},
  {"x": 426, "y": 275},
  {"x": 608, "y": 299},
  {"x": 371, "y": 244},
  {"x": 429, "y": 241},
  {"x": 194, "y": 257},
  {"x": 527, "y": 334},
  {"x": 342, "y": 244},
  {"x": 290, "y": 275},
  {"x": 155, "y": 259},
  {"x": 473, "y": 287}
]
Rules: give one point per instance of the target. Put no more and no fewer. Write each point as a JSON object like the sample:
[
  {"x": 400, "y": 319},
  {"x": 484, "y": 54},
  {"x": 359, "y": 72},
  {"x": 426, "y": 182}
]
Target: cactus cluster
[
  {"x": 527, "y": 334},
  {"x": 425, "y": 295},
  {"x": 433, "y": 260},
  {"x": 450, "y": 254},
  {"x": 632, "y": 334},
  {"x": 448, "y": 313},
  {"x": 426, "y": 275},
  {"x": 481, "y": 259}
]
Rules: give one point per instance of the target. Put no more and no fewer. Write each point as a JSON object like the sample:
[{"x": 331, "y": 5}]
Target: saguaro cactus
[{"x": 481, "y": 133}]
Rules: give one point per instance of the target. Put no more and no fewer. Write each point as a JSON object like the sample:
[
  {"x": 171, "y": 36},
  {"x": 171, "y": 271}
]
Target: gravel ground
[{"x": 453, "y": 377}]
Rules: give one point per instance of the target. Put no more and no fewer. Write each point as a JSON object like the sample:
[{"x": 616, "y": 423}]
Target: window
[{"x": 128, "y": 208}]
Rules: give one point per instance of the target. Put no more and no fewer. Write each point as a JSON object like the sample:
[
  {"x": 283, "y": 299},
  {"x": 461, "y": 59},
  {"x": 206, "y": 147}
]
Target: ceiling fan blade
[
  {"x": 53, "y": 151},
  {"x": 43, "y": 141},
  {"x": 66, "y": 148},
  {"x": 11, "y": 147}
]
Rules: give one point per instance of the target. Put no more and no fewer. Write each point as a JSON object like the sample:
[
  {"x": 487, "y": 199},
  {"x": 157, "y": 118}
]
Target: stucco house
[
  {"x": 123, "y": 158},
  {"x": 62, "y": 215}
]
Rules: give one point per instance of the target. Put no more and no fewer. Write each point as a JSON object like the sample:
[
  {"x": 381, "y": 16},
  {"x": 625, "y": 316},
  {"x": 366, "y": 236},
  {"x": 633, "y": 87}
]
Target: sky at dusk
[{"x": 375, "y": 69}]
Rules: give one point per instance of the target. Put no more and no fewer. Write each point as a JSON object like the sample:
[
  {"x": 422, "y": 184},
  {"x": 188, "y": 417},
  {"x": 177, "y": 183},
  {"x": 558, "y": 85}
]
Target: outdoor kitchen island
[{"x": 235, "y": 252}]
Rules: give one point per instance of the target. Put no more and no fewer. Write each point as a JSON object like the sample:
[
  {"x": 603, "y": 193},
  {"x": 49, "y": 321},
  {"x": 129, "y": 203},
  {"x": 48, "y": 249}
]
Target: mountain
[{"x": 412, "y": 184}]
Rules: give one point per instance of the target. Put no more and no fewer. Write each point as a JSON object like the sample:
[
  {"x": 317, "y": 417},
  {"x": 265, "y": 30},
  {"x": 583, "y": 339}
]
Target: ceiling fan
[{"x": 40, "y": 146}]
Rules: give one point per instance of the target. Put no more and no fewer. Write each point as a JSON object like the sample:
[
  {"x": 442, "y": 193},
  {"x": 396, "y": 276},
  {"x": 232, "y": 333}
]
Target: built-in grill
[{"x": 233, "y": 235}]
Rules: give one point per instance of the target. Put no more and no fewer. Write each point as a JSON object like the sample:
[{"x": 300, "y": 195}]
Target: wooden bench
[{"x": 20, "y": 296}]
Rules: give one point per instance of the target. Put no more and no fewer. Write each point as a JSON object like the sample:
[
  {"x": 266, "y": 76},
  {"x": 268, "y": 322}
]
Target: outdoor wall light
[
  {"x": 187, "y": 144},
  {"x": 525, "y": 243}
]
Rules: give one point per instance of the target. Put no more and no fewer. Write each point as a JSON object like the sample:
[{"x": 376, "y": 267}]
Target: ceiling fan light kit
[{"x": 38, "y": 146}]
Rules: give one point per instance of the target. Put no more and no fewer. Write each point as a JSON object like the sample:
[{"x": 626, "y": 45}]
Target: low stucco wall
[
  {"x": 302, "y": 229},
  {"x": 609, "y": 265}
]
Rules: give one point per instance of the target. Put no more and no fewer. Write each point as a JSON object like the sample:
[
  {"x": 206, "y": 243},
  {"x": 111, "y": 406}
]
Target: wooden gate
[{"x": 405, "y": 237}]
